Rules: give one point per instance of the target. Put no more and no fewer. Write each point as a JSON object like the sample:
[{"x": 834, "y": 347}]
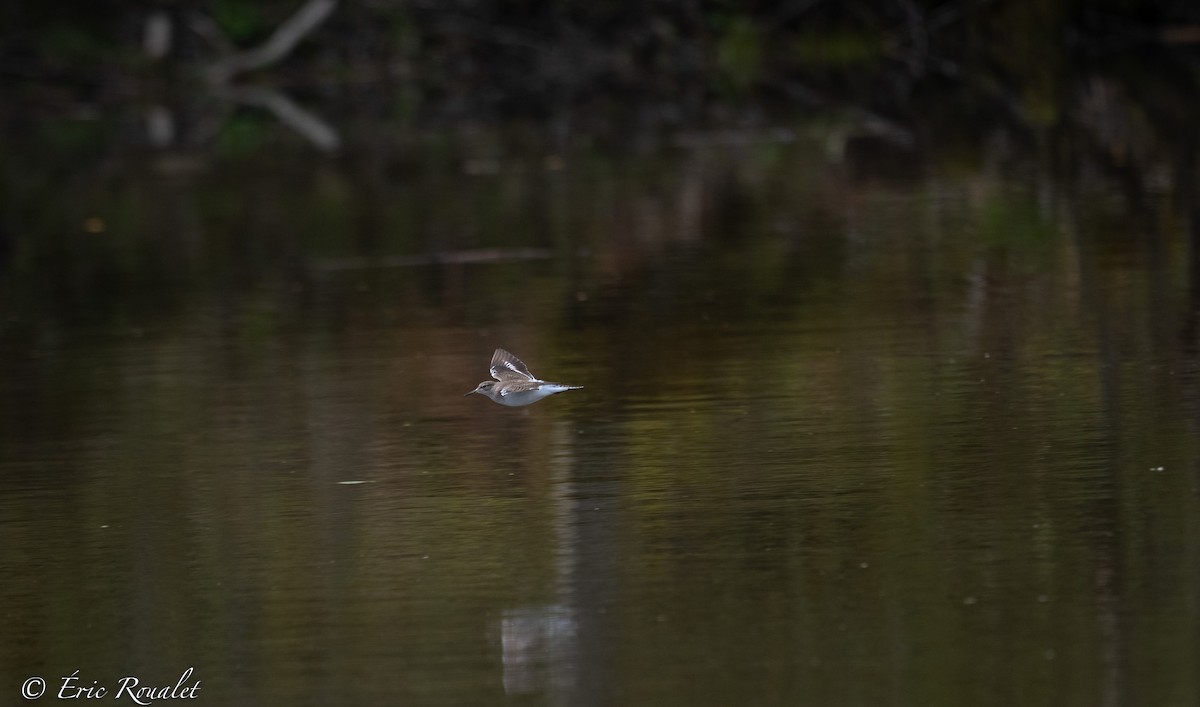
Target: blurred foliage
[
  {"x": 241, "y": 21},
  {"x": 459, "y": 119},
  {"x": 243, "y": 134},
  {"x": 520, "y": 51},
  {"x": 838, "y": 48},
  {"x": 739, "y": 52}
]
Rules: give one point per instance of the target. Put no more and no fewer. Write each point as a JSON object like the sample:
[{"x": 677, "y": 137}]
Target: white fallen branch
[
  {"x": 288, "y": 112},
  {"x": 156, "y": 35},
  {"x": 278, "y": 45}
]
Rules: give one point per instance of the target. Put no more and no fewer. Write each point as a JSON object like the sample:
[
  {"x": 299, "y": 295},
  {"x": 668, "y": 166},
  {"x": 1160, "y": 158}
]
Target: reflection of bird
[{"x": 515, "y": 385}]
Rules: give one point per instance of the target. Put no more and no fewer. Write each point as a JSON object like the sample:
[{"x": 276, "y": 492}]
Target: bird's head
[{"x": 484, "y": 388}]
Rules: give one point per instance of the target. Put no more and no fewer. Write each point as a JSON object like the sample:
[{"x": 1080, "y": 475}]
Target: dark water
[{"x": 843, "y": 439}]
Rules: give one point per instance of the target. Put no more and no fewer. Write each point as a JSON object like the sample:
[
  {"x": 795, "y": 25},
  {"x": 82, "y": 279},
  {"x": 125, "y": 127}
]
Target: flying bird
[{"x": 515, "y": 385}]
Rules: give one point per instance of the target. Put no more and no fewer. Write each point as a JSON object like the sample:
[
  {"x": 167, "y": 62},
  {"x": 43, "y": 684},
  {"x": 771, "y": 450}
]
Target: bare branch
[
  {"x": 156, "y": 36},
  {"x": 317, "y": 131},
  {"x": 278, "y": 45}
]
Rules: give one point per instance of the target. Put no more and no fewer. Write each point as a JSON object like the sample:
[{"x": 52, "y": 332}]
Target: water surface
[{"x": 842, "y": 440}]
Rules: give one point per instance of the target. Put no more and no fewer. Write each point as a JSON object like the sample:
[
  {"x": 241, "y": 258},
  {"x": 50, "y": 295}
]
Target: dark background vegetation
[
  {"x": 117, "y": 111},
  {"x": 635, "y": 63}
]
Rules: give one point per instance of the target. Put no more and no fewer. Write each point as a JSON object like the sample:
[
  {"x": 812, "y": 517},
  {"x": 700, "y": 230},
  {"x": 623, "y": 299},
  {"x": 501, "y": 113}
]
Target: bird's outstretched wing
[{"x": 506, "y": 367}]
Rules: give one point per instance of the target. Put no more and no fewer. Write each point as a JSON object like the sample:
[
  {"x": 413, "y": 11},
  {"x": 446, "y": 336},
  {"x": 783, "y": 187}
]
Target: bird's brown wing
[{"x": 506, "y": 367}]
